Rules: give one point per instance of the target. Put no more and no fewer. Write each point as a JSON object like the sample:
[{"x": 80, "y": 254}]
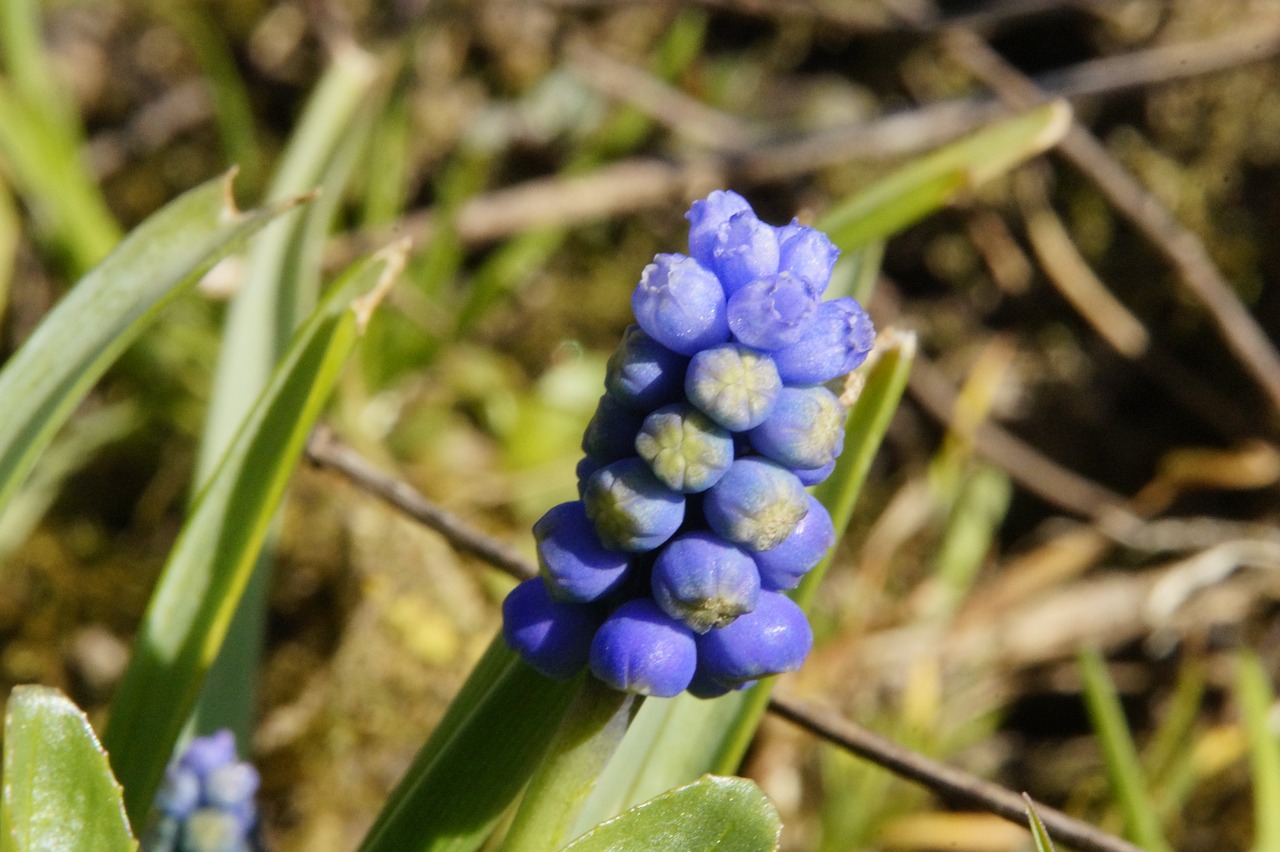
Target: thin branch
[
  {"x": 950, "y": 783},
  {"x": 1179, "y": 245},
  {"x": 326, "y": 450}
]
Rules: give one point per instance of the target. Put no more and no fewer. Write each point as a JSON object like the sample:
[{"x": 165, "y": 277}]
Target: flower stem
[{"x": 588, "y": 736}]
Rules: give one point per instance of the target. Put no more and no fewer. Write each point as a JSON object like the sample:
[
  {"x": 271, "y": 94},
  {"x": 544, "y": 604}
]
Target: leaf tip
[
  {"x": 393, "y": 257},
  {"x": 230, "y": 211}
]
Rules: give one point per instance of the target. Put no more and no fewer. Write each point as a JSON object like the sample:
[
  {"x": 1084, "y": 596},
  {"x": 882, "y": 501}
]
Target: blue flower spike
[
  {"x": 668, "y": 575},
  {"x": 685, "y": 449},
  {"x": 206, "y": 803},
  {"x": 704, "y": 581}
]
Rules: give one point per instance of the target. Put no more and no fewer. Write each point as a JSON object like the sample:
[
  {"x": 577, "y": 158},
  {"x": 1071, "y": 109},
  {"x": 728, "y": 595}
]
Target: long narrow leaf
[
  {"x": 1253, "y": 691},
  {"x": 280, "y": 289},
  {"x": 476, "y": 761},
  {"x": 1119, "y": 754},
  {"x": 106, "y": 311},
  {"x": 58, "y": 789},
  {"x": 928, "y": 183},
  {"x": 725, "y": 814},
  {"x": 211, "y": 560}
]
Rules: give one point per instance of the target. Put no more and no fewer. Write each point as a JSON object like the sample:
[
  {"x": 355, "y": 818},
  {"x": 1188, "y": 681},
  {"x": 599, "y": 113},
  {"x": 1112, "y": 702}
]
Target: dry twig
[{"x": 948, "y": 782}]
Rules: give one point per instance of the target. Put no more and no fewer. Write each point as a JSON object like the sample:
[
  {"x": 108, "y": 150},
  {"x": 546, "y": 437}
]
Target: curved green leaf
[
  {"x": 1253, "y": 692},
  {"x": 198, "y": 590},
  {"x": 476, "y": 761},
  {"x": 58, "y": 789},
  {"x": 926, "y": 184},
  {"x": 725, "y": 814},
  {"x": 105, "y": 312}
]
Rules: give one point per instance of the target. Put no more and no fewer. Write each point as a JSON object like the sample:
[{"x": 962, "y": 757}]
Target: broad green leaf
[
  {"x": 101, "y": 316},
  {"x": 676, "y": 740},
  {"x": 1119, "y": 754},
  {"x": 476, "y": 761},
  {"x": 725, "y": 814},
  {"x": 210, "y": 563},
  {"x": 58, "y": 789},
  {"x": 1039, "y": 833},
  {"x": 281, "y": 283},
  {"x": 926, "y": 184},
  {"x": 1253, "y": 691}
]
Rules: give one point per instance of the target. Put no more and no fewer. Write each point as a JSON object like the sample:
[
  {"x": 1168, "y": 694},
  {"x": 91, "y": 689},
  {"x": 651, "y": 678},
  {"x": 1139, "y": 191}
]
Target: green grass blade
[
  {"x": 1039, "y": 834},
  {"x": 1119, "y": 754},
  {"x": 280, "y": 288},
  {"x": 476, "y": 761},
  {"x": 725, "y": 814},
  {"x": 98, "y": 319},
  {"x": 1253, "y": 691},
  {"x": 210, "y": 563},
  {"x": 22, "y": 48},
  {"x": 58, "y": 789},
  {"x": 926, "y": 184}
]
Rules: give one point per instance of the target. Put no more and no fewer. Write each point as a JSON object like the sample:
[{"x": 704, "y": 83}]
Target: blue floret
[
  {"x": 206, "y": 803},
  {"x": 573, "y": 562},
  {"x": 704, "y": 581},
  {"x": 631, "y": 509},
  {"x": 553, "y": 637},
  {"x": 641, "y": 649},
  {"x": 756, "y": 504},
  {"x": 681, "y": 304}
]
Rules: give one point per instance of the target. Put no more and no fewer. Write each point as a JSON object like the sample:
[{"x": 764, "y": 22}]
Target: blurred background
[{"x": 1086, "y": 459}]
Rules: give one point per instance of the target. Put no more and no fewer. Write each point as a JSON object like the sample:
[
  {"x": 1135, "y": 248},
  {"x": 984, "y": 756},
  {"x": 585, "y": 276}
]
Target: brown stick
[
  {"x": 946, "y": 781},
  {"x": 1179, "y": 245},
  {"x": 325, "y": 449}
]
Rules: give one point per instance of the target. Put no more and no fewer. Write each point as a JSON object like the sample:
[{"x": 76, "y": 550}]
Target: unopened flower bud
[
  {"x": 835, "y": 343},
  {"x": 704, "y": 581},
  {"x": 805, "y": 429},
  {"x": 644, "y": 374},
  {"x": 573, "y": 562},
  {"x": 732, "y": 384},
  {"x": 630, "y": 508},
  {"x": 784, "y": 566},
  {"x": 756, "y": 504},
  {"x": 680, "y": 304},
  {"x": 772, "y": 313},
  {"x": 773, "y": 638},
  {"x": 641, "y": 649},
  {"x": 685, "y": 448},
  {"x": 552, "y": 637}
]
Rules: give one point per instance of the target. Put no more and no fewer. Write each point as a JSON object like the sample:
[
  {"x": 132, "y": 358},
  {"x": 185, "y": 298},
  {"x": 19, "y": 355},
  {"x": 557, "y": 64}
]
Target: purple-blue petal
[
  {"x": 641, "y": 649},
  {"x": 756, "y": 504},
  {"x": 772, "y": 313},
  {"x": 805, "y": 429},
  {"x": 835, "y": 343},
  {"x": 573, "y": 562},
  {"x": 774, "y": 637},
  {"x": 680, "y": 304},
  {"x": 704, "y": 581},
  {"x": 552, "y": 637}
]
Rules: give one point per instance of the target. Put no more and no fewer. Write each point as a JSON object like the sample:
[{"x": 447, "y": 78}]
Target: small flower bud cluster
[
  {"x": 206, "y": 802},
  {"x": 669, "y": 573}
]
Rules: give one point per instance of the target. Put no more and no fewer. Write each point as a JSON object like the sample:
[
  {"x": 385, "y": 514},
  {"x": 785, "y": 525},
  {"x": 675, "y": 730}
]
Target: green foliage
[
  {"x": 210, "y": 563},
  {"x": 88, "y": 330},
  {"x": 1254, "y": 692},
  {"x": 1120, "y": 754},
  {"x": 728, "y": 814},
  {"x": 58, "y": 789}
]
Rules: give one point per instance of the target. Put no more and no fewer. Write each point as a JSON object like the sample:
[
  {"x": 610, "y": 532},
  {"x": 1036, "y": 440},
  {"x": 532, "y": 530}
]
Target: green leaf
[
  {"x": 58, "y": 789},
  {"x": 1119, "y": 754},
  {"x": 210, "y": 563},
  {"x": 1253, "y": 691},
  {"x": 281, "y": 283},
  {"x": 926, "y": 184},
  {"x": 1038, "y": 832},
  {"x": 725, "y": 814},
  {"x": 476, "y": 761},
  {"x": 676, "y": 740},
  {"x": 101, "y": 316}
]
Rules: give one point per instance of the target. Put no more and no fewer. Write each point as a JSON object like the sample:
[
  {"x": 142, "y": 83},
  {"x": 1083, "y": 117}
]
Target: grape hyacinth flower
[
  {"x": 206, "y": 801},
  {"x": 670, "y": 573}
]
